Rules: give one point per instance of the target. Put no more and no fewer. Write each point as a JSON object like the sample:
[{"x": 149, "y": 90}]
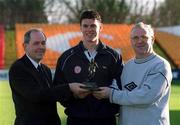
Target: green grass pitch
[{"x": 7, "y": 113}]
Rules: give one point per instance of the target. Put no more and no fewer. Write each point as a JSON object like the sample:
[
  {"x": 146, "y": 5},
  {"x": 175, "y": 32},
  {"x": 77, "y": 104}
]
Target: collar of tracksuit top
[
  {"x": 100, "y": 47},
  {"x": 146, "y": 59}
]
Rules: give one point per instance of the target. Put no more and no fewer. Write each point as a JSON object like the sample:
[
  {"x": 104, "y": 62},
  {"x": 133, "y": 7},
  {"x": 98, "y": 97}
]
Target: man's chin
[
  {"x": 91, "y": 41},
  {"x": 39, "y": 57}
]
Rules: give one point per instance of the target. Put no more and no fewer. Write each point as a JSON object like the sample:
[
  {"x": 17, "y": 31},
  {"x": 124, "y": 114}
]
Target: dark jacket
[
  {"x": 34, "y": 100},
  {"x": 73, "y": 66}
]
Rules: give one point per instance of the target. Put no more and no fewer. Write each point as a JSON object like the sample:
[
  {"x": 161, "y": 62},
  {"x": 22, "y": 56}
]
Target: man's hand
[
  {"x": 103, "y": 93},
  {"x": 78, "y": 91}
]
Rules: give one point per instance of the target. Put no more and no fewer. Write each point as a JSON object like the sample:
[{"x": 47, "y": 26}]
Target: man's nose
[{"x": 139, "y": 40}]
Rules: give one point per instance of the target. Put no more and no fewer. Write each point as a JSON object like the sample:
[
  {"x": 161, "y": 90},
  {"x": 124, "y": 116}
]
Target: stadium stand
[
  {"x": 61, "y": 37},
  {"x": 2, "y": 47},
  {"x": 170, "y": 44}
]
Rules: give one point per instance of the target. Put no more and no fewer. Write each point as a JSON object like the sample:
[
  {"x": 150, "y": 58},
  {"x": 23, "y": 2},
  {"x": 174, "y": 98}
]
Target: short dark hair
[
  {"x": 90, "y": 14},
  {"x": 27, "y": 35}
]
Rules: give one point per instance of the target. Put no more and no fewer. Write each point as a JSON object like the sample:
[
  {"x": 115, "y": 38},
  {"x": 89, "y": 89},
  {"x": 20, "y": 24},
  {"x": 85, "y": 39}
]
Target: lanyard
[{"x": 90, "y": 55}]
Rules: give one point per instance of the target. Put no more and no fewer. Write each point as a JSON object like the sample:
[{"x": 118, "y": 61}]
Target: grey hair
[
  {"x": 27, "y": 35},
  {"x": 147, "y": 27}
]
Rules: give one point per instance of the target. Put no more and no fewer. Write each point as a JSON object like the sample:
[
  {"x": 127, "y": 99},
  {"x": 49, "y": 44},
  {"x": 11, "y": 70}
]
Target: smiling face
[
  {"x": 37, "y": 46},
  {"x": 90, "y": 29},
  {"x": 142, "y": 42}
]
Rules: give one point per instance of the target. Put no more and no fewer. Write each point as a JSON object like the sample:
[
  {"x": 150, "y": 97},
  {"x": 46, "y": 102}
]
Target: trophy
[{"x": 92, "y": 86}]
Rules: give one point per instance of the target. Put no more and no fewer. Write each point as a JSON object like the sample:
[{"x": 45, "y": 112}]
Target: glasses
[{"x": 137, "y": 38}]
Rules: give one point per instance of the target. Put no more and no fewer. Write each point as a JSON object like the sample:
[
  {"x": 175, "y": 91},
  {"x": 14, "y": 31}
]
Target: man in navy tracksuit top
[{"x": 90, "y": 63}]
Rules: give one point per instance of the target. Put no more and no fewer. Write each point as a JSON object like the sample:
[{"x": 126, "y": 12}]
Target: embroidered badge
[
  {"x": 104, "y": 67},
  {"x": 130, "y": 86},
  {"x": 77, "y": 69}
]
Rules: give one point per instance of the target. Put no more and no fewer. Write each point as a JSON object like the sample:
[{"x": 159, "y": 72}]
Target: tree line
[{"x": 66, "y": 11}]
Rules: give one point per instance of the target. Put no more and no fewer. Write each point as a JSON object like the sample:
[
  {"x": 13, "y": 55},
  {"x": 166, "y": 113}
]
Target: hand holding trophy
[{"x": 91, "y": 86}]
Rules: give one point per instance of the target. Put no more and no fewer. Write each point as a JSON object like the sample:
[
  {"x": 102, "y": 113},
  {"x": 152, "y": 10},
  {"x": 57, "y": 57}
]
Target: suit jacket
[{"x": 34, "y": 96}]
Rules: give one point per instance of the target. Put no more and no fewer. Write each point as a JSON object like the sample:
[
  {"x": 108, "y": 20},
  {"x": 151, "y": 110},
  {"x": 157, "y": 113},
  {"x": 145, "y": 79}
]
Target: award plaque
[{"x": 92, "y": 86}]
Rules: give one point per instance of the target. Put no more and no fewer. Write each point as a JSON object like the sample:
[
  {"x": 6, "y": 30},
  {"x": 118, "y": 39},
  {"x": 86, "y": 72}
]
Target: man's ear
[
  {"x": 80, "y": 28},
  {"x": 153, "y": 39},
  {"x": 24, "y": 46},
  {"x": 101, "y": 26}
]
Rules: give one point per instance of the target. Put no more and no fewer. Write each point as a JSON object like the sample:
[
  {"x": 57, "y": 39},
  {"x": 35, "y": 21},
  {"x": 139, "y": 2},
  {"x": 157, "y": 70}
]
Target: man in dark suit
[{"x": 33, "y": 93}]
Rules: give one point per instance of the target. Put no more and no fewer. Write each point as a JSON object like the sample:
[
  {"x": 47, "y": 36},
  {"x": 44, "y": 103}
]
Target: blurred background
[{"x": 59, "y": 19}]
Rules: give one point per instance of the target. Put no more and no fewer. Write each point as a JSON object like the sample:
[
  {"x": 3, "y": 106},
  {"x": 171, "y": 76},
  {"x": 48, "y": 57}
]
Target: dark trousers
[{"x": 91, "y": 121}]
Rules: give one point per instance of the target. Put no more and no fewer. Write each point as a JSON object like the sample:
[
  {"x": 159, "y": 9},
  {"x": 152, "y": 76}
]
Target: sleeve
[
  {"x": 155, "y": 86},
  {"x": 24, "y": 84},
  {"x": 117, "y": 70},
  {"x": 59, "y": 80}
]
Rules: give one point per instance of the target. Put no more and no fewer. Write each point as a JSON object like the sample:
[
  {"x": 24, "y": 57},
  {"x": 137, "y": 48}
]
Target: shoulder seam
[
  {"x": 112, "y": 55},
  {"x": 72, "y": 53}
]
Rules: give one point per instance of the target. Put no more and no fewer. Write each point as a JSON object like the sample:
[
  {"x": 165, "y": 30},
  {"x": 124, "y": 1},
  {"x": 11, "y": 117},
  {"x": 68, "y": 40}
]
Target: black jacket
[
  {"x": 35, "y": 101},
  {"x": 73, "y": 66}
]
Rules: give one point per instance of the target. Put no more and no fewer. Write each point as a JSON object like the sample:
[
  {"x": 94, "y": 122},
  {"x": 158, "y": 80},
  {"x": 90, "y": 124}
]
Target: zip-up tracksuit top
[{"x": 73, "y": 66}]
